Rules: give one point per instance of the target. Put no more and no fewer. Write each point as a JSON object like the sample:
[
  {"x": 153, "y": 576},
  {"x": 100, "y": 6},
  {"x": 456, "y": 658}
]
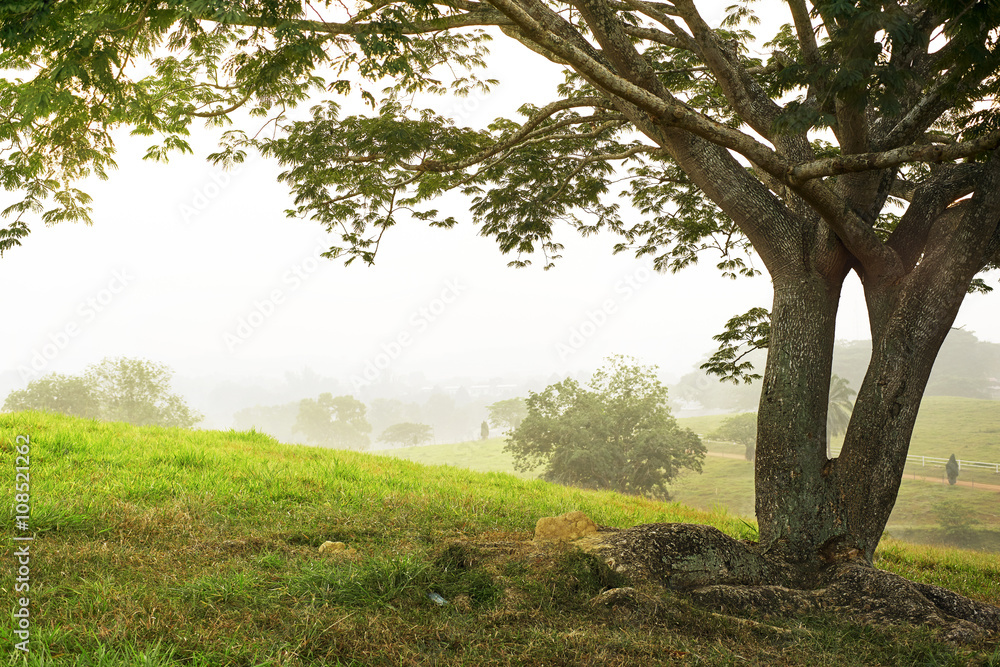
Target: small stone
[
  {"x": 564, "y": 528},
  {"x": 332, "y": 547}
]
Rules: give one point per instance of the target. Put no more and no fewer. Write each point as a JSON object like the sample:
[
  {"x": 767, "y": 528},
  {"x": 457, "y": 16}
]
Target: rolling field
[
  {"x": 970, "y": 428},
  {"x": 167, "y": 547}
]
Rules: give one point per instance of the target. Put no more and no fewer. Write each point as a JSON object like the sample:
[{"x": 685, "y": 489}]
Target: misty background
[{"x": 199, "y": 269}]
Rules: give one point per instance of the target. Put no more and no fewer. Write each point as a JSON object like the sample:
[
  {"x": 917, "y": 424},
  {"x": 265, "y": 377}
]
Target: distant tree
[
  {"x": 965, "y": 367},
  {"x": 507, "y": 414},
  {"x": 120, "y": 389},
  {"x": 710, "y": 394},
  {"x": 407, "y": 434},
  {"x": 137, "y": 391},
  {"x": 951, "y": 469},
  {"x": 384, "y": 412},
  {"x": 616, "y": 434},
  {"x": 65, "y": 394},
  {"x": 838, "y": 415},
  {"x": 484, "y": 431},
  {"x": 741, "y": 429},
  {"x": 334, "y": 422}
]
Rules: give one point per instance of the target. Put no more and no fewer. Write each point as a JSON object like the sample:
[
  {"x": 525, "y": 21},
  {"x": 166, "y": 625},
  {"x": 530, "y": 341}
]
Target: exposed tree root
[{"x": 732, "y": 576}]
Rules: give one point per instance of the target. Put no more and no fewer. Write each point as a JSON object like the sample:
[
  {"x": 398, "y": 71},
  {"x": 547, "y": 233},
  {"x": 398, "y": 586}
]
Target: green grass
[
  {"x": 965, "y": 427},
  {"x": 171, "y": 547},
  {"x": 479, "y": 455},
  {"x": 704, "y": 424}
]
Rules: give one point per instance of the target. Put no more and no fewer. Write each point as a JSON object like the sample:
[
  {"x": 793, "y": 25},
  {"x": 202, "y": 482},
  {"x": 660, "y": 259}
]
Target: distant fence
[{"x": 934, "y": 461}]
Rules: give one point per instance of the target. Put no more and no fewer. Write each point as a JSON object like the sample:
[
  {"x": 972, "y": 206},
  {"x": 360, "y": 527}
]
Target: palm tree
[{"x": 838, "y": 414}]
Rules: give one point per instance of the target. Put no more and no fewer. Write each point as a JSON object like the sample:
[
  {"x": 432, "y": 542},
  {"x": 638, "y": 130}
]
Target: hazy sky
[{"x": 200, "y": 269}]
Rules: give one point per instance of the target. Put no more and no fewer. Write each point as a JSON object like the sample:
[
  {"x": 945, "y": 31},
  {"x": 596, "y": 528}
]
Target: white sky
[{"x": 179, "y": 254}]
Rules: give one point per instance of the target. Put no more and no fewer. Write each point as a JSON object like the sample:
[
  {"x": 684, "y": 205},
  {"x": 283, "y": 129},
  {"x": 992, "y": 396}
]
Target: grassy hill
[{"x": 172, "y": 547}]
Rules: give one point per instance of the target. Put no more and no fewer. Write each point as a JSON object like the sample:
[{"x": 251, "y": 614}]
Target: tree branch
[
  {"x": 750, "y": 102},
  {"x": 929, "y": 200},
  {"x": 847, "y": 164},
  {"x": 920, "y": 116},
  {"x": 663, "y": 107},
  {"x": 545, "y": 112},
  {"x": 804, "y": 31},
  {"x": 658, "y": 36},
  {"x": 654, "y": 11},
  {"x": 221, "y": 112}
]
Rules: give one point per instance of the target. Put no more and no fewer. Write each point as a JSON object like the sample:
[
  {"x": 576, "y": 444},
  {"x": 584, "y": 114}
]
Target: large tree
[{"x": 864, "y": 141}]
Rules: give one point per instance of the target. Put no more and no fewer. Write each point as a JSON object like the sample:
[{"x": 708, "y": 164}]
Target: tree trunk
[
  {"x": 797, "y": 509},
  {"x": 907, "y": 338}
]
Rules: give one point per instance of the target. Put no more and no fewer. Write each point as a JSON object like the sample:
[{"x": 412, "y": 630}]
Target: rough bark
[{"x": 797, "y": 509}]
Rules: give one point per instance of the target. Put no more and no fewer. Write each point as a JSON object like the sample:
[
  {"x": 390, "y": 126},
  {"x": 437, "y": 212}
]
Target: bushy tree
[
  {"x": 407, "y": 434},
  {"x": 135, "y": 391},
  {"x": 615, "y": 433},
  {"x": 741, "y": 429},
  {"x": 138, "y": 392},
  {"x": 384, "y": 412},
  {"x": 507, "y": 414},
  {"x": 958, "y": 522},
  {"x": 334, "y": 422},
  {"x": 275, "y": 420},
  {"x": 65, "y": 394}
]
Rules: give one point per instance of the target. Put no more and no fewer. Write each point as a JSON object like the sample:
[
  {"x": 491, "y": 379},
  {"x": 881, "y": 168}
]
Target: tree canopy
[
  {"x": 857, "y": 137},
  {"x": 334, "y": 422},
  {"x": 65, "y": 394}
]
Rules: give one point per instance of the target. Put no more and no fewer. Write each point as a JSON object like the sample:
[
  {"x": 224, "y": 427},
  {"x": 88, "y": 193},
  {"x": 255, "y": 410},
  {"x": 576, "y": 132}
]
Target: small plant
[
  {"x": 459, "y": 572},
  {"x": 958, "y": 522}
]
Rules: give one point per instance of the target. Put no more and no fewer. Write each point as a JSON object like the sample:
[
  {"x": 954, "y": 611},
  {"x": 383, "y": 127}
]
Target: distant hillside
[{"x": 966, "y": 367}]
